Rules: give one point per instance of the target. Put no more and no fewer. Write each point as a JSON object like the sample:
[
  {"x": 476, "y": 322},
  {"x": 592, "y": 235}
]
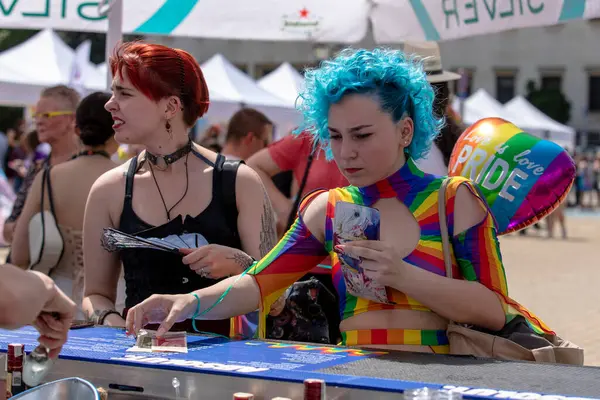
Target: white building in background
[{"x": 566, "y": 55}]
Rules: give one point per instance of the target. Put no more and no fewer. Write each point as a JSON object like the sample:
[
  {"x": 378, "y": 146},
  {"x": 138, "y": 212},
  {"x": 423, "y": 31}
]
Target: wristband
[{"x": 104, "y": 314}]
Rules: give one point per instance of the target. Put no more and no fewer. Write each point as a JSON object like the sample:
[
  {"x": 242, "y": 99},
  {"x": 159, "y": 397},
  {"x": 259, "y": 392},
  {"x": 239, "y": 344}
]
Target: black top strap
[
  {"x": 50, "y": 195},
  {"x": 294, "y": 210},
  {"x": 200, "y": 156},
  {"x": 227, "y": 172},
  {"x": 43, "y": 222},
  {"x": 44, "y": 179},
  {"x": 129, "y": 179}
]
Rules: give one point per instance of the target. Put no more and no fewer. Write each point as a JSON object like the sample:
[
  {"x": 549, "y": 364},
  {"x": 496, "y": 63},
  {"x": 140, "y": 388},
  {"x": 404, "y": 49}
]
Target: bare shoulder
[
  {"x": 314, "y": 213},
  {"x": 36, "y": 185},
  {"x": 111, "y": 184},
  {"x": 78, "y": 166},
  {"x": 470, "y": 210},
  {"x": 247, "y": 178},
  {"x": 466, "y": 198}
]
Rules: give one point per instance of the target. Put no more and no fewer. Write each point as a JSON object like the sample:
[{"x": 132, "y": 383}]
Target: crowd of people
[{"x": 375, "y": 132}]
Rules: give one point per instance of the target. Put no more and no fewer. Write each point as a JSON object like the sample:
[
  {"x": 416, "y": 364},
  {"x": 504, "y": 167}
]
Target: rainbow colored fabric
[{"x": 476, "y": 253}]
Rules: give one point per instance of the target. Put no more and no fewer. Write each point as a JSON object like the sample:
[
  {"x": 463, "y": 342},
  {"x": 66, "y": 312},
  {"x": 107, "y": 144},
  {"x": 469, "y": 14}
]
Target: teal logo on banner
[
  {"x": 572, "y": 9},
  {"x": 167, "y": 17},
  {"x": 427, "y": 25}
]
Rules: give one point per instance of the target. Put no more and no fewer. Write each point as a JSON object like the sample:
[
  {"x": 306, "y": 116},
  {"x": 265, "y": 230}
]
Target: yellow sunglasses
[{"x": 51, "y": 114}]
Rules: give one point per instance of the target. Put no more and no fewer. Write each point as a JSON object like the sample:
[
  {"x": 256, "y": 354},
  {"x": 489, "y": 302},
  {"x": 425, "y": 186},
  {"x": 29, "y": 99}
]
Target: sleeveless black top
[{"x": 149, "y": 271}]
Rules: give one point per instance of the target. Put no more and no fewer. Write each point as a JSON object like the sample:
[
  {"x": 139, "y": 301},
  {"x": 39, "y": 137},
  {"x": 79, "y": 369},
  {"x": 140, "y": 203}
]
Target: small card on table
[{"x": 148, "y": 342}]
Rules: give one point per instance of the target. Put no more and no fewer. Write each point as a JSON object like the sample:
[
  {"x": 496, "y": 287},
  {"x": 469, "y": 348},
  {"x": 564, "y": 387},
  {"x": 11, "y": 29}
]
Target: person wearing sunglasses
[{"x": 55, "y": 124}]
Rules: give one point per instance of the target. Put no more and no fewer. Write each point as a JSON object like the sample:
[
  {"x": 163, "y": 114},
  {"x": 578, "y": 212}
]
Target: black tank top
[{"x": 150, "y": 271}]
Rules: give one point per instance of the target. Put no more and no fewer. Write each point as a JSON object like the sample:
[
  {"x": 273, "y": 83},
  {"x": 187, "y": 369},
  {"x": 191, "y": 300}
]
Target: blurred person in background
[
  {"x": 70, "y": 183},
  {"x": 55, "y": 123},
  {"x": 211, "y": 139},
  {"x": 557, "y": 215},
  {"x": 436, "y": 161},
  {"x": 597, "y": 178},
  {"x": 596, "y": 168},
  {"x": 14, "y": 152},
  {"x": 33, "y": 152},
  {"x": 4, "y": 146},
  {"x": 248, "y": 132}
]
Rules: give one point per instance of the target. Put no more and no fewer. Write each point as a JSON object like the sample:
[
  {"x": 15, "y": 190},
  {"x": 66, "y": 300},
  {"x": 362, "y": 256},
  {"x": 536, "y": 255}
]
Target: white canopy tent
[
  {"x": 43, "y": 60},
  {"x": 481, "y": 105},
  {"x": 539, "y": 123},
  {"x": 284, "y": 82},
  {"x": 230, "y": 89}
]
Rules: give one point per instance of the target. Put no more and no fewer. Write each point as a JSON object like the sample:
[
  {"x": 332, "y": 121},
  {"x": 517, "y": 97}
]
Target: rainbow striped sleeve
[
  {"x": 296, "y": 254},
  {"x": 477, "y": 253}
]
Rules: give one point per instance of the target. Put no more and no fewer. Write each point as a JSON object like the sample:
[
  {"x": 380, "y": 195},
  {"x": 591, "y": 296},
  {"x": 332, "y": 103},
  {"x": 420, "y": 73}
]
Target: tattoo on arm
[
  {"x": 97, "y": 315},
  {"x": 268, "y": 234},
  {"x": 93, "y": 317},
  {"x": 242, "y": 259}
]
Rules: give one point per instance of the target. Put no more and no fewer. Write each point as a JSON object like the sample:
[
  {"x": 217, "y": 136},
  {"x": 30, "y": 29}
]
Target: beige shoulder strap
[{"x": 444, "y": 227}]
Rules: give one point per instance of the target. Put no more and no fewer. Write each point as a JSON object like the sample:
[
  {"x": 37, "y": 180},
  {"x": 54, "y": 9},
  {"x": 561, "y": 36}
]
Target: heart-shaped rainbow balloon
[{"x": 523, "y": 178}]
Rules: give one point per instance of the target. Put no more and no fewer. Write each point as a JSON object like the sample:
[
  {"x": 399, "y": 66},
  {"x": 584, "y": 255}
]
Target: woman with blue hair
[{"x": 372, "y": 113}]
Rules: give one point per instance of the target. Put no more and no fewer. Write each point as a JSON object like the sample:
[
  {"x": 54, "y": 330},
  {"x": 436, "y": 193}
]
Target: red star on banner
[{"x": 304, "y": 13}]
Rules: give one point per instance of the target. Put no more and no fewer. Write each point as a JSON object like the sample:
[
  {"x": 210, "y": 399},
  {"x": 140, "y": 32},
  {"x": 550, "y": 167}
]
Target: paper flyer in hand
[{"x": 114, "y": 240}]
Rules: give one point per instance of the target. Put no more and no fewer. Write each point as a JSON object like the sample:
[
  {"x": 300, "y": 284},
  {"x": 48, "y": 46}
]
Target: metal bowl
[{"x": 63, "y": 389}]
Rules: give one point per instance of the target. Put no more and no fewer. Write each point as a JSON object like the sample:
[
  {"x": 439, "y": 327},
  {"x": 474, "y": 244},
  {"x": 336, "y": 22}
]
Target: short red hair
[{"x": 159, "y": 71}]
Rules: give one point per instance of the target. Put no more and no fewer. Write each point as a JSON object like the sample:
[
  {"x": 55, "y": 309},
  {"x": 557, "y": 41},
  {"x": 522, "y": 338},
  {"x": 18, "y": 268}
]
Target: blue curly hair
[{"x": 396, "y": 79}]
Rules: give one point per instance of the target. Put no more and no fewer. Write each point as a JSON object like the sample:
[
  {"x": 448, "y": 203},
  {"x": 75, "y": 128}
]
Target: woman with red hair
[{"x": 173, "y": 190}]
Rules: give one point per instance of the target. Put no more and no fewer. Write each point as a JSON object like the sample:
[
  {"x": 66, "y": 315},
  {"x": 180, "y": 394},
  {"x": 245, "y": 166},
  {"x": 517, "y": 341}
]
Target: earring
[{"x": 169, "y": 129}]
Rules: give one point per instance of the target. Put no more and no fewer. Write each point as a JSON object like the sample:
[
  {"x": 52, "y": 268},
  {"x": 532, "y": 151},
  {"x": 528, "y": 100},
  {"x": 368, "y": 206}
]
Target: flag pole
[{"x": 114, "y": 34}]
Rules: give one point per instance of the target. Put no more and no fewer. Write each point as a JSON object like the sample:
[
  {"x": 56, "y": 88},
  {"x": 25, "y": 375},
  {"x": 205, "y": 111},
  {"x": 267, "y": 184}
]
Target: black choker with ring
[
  {"x": 91, "y": 153},
  {"x": 163, "y": 162}
]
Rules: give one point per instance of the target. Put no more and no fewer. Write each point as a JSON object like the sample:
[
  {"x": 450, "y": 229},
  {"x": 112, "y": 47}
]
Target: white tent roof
[
  {"x": 227, "y": 83},
  {"x": 43, "y": 60},
  {"x": 229, "y": 89},
  {"x": 539, "y": 124},
  {"x": 285, "y": 82},
  {"x": 539, "y": 120},
  {"x": 481, "y": 105}
]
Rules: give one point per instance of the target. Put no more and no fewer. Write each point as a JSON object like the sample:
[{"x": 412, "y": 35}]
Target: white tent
[
  {"x": 229, "y": 89},
  {"x": 43, "y": 60},
  {"x": 481, "y": 105},
  {"x": 102, "y": 69},
  {"x": 285, "y": 82},
  {"x": 539, "y": 123}
]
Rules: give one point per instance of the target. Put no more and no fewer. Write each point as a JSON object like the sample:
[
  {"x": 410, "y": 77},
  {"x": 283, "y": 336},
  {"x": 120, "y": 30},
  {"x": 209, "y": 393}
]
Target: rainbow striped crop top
[{"x": 475, "y": 252}]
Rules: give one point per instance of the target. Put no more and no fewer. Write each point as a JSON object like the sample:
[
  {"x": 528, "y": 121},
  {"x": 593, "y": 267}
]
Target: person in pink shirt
[{"x": 293, "y": 153}]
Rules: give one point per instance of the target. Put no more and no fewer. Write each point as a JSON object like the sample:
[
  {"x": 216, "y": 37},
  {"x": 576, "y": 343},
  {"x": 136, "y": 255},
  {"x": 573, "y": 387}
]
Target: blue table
[{"x": 215, "y": 367}]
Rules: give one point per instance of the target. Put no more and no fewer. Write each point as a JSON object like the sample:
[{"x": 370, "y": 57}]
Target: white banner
[{"x": 343, "y": 21}]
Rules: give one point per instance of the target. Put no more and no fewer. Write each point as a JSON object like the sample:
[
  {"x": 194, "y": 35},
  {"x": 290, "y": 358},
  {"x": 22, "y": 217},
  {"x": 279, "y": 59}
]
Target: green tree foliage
[{"x": 551, "y": 102}]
